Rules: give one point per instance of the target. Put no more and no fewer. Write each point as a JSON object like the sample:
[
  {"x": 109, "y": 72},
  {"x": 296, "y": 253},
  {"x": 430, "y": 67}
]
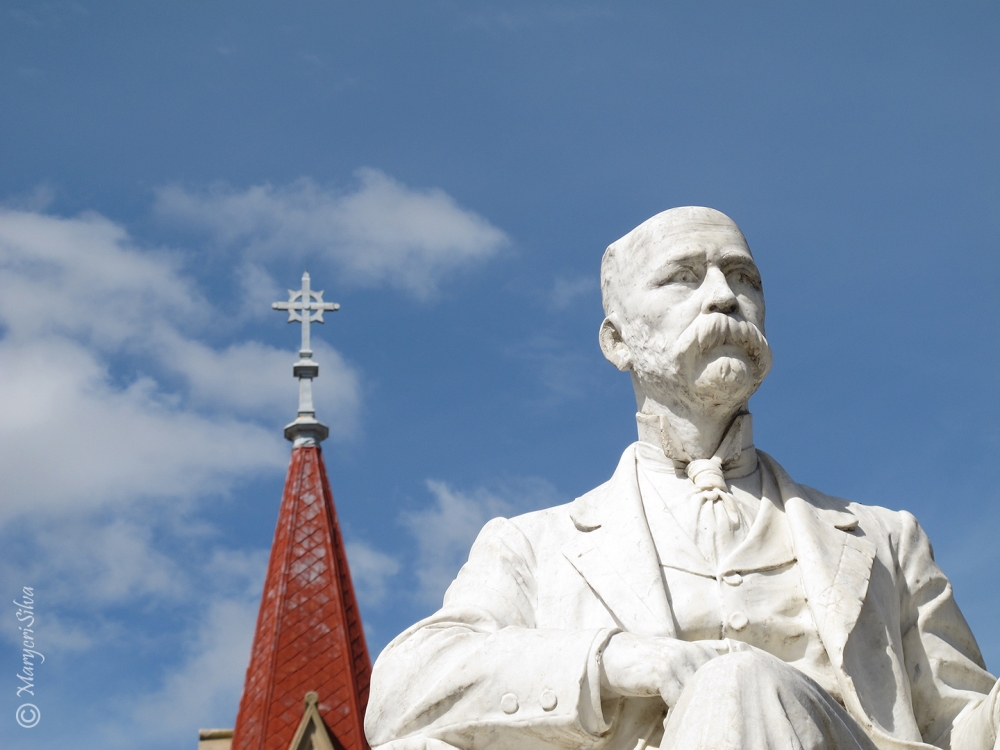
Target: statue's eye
[
  {"x": 682, "y": 276},
  {"x": 745, "y": 276}
]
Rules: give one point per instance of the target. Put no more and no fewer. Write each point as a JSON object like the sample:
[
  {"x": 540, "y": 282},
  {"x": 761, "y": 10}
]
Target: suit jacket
[{"x": 510, "y": 661}]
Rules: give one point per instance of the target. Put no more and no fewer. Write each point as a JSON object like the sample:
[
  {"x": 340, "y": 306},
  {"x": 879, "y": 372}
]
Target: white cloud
[
  {"x": 71, "y": 439},
  {"x": 78, "y": 302},
  {"x": 119, "y": 419},
  {"x": 567, "y": 291},
  {"x": 203, "y": 688},
  {"x": 82, "y": 277},
  {"x": 38, "y": 198},
  {"x": 250, "y": 378},
  {"x": 110, "y": 561},
  {"x": 62, "y": 637},
  {"x": 381, "y": 232},
  {"x": 238, "y": 570},
  {"x": 371, "y": 572},
  {"x": 122, "y": 413},
  {"x": 259, "y": 291},
  {"x": 207, "y": 683},
  {"x": 54, "y": 633}
]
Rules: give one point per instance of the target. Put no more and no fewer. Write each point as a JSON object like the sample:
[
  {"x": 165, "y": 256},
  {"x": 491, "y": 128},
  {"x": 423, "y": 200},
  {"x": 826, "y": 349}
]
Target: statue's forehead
[{"x": 692, "y": 241}]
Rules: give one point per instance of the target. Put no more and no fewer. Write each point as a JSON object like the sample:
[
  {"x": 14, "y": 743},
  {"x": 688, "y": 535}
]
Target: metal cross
[{"x": 305, "y": 306}]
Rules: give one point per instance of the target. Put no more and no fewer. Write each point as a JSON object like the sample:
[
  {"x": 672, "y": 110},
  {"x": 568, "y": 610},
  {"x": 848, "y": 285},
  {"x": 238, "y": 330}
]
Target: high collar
[{"x": 736, "y": 449}]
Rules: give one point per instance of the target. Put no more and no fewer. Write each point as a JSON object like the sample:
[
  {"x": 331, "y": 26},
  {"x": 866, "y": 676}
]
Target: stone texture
[{"x": 701, "y": 600}]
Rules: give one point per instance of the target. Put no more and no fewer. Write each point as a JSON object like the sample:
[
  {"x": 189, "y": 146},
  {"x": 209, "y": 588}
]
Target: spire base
[{"x": 306, "y": 430}]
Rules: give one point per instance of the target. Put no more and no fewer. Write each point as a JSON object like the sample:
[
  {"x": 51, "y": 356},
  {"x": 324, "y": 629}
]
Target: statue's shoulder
[
  {"x": 545, "y": 526},
  {"x": 872, "y": 513},
  {"x": 884, "y": 526},
  {"x": 551, "y": 527},
  {"x": 872, "y": 518}
]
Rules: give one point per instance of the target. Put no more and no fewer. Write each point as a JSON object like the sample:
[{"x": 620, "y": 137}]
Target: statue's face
[{"x": 692, "y": 314}]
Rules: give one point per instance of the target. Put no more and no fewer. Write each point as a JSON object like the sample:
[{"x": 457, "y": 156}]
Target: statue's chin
[{"x": 725, "y": 378}]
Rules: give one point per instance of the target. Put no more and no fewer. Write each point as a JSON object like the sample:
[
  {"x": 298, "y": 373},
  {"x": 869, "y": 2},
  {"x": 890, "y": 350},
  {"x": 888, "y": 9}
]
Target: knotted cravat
[
  {"x": 710, "y": 479},
  {"x": 722, "y": 524}
]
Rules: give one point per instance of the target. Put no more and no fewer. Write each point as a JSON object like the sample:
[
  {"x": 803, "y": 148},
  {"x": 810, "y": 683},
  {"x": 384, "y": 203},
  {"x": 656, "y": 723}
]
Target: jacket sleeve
[
  {"x": 479, "y": 674},
  {"x": 948, "y": 678}
]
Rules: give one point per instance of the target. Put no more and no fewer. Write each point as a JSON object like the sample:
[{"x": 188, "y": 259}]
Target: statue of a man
[{"x": 700, "y": 599}]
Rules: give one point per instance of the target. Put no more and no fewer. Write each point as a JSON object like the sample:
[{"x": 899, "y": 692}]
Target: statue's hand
[{"x": 641, "y": 666}]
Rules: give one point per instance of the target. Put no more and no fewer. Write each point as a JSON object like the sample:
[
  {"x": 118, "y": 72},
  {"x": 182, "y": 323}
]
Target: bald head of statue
[{"x": 684, "y": 311}]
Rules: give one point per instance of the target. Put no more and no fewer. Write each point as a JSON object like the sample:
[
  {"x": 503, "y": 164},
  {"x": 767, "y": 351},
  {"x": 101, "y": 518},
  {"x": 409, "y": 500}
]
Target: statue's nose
[{"x": 719, "y": 297}]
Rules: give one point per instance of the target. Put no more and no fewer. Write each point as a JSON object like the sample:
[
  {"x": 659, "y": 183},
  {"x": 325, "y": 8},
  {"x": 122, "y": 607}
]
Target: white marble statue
[{"x": 700, "y": 599}]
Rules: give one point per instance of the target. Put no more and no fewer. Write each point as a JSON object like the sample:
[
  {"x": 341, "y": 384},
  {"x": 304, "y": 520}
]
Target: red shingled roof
[{"x": 309, "y": 634}]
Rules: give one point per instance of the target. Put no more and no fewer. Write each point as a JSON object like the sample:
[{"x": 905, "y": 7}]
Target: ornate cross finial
[{"x": 306, "y": 306}]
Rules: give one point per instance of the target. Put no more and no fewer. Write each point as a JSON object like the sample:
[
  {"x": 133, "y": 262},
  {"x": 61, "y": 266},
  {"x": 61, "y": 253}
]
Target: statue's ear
[{"x": 614, "y": 348}]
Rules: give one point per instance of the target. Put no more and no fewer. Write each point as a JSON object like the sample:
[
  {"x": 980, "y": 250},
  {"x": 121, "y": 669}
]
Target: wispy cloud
[
  {"x": 72, "y": 439},
  {"x": 204, "y": 681},
  {"x": 371, "y": 571},
  {"x": 84, "y": 277},
  {"x": 562, "y": 372},
  {"x": 80, "y": 302},
  {"x": 565, "y": 292},
  {"x": 111, "y": 560},
  {"x": 252, "y": 379},
  {"x": 380, "y": 232},
  {"x": 207, "y": 682},
  {"x": 124, "y": 415}
]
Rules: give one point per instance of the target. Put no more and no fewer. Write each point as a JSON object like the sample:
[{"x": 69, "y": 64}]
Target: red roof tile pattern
[{"x": 309, "y": 634}]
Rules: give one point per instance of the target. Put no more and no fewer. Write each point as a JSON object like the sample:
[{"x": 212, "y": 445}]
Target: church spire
[
  {"x": 306, "y": 306},
  {"x": 307, "y": 683}
]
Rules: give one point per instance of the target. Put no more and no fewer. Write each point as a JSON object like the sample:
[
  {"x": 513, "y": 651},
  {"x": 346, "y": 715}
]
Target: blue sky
[{"x": 450, "y": 173}]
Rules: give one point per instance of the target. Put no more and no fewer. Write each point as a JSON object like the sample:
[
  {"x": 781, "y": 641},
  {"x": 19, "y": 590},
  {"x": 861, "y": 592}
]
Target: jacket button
[
  {"x": 509, "y": 703},
  {"x": 738, "y": 621},
  {"x": 549, "y": 700},
  {"x": 733, "y": 579}
]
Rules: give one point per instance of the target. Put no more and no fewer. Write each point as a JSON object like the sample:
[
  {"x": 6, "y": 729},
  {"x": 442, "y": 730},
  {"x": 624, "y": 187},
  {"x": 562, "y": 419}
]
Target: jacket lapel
[
  {"x": 614, "y": 553},
  {"x": 835, "y": 563}
]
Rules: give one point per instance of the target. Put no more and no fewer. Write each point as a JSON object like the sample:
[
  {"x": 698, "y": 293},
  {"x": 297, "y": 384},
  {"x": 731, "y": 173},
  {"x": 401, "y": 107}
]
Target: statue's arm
[
  {"x": 478, "y": 673},
  {"x": 951, "y": 692}
]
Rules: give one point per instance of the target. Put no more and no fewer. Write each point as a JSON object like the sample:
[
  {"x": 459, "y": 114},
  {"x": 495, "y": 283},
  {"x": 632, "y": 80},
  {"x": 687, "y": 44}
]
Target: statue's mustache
[{"x": 715, "y": 329}]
